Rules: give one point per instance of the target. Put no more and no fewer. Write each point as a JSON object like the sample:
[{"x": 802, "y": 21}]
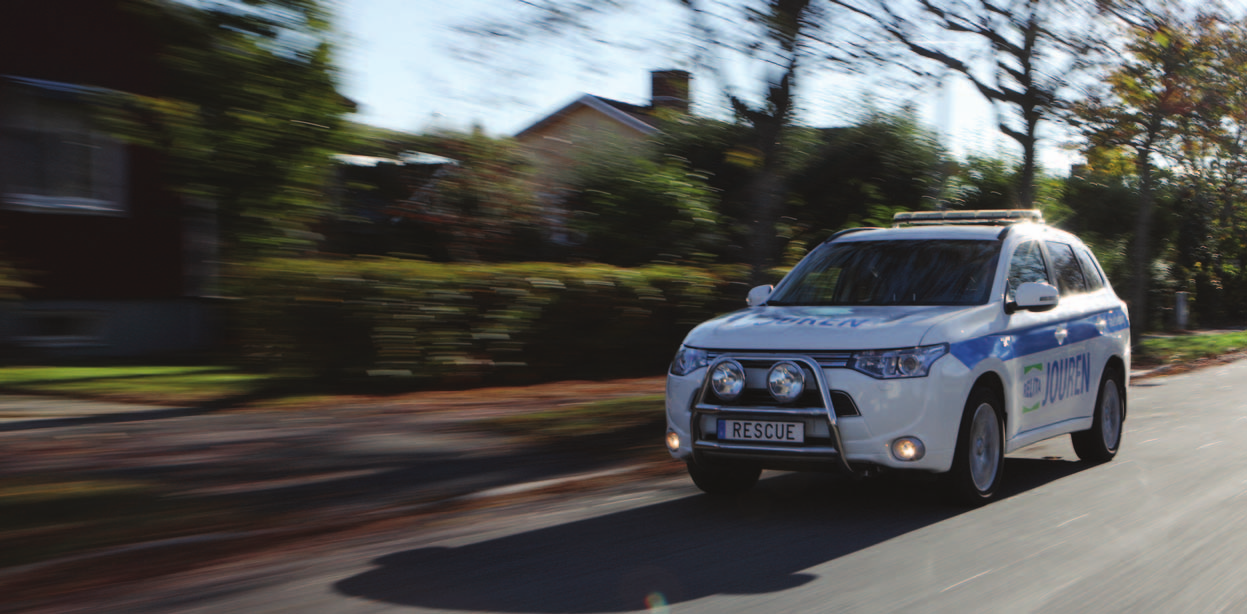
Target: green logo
[
  {"x": 1034, "y": 367},
  {"x": 1030, "y": 409}
]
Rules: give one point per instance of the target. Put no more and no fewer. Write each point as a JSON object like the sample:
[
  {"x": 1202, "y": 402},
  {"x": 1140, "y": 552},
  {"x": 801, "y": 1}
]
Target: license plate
[{"x": 756, "y": 430}]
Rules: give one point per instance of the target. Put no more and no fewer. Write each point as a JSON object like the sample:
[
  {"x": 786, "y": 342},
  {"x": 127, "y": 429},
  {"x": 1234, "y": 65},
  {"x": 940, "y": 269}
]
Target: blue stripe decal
[{"x": 1024, "y": 342}]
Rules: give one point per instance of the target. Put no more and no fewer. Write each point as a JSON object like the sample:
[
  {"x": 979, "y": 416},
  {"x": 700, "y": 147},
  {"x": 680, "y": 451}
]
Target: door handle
[{"x": 1061, "y": 334}]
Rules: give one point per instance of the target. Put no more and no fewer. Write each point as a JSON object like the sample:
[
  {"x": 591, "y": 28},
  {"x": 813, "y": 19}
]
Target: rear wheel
[
  {"x": 724, "y": 477},
  {"x": 978, "y": 463},
  {"x": 1099, "y": 443}
]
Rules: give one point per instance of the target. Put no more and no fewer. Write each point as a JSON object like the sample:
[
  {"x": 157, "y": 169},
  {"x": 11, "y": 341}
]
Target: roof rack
[{"x": 988, "y": 217}]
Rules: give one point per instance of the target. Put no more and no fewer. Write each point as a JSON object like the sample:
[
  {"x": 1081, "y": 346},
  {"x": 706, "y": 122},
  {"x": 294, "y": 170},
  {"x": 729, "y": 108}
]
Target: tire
[
  {"x": 978, "y": 463},
  {"x": 724, "y": 477},
  {"x": 1099, "y": 444}
]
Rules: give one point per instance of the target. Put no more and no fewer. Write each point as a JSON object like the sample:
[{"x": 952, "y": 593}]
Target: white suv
[{"x": 939, "y": 345}]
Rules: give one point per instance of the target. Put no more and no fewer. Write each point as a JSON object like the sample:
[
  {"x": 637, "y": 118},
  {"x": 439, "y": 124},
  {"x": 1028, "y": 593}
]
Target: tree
[
  {"x": 1098, "y": 200},
  {"x": 12, "y": 281},
  {"x": 249, "y": 116},
  {"x": 884, "y": 160},
  {"x": 1022, "y": 40},
  {"x": 985, "y": 183},
  {"x": 483, "y": 207},
  {"x": 1213, "y": 159},
  {"x": 1151, "y": 96},
  {"x": 1213, "y": 146},
  {"x": 781, "y": 43},
  {"x": 633, "y": 210},
  {"x": 724, "y": 154},
  {"x": 836, "y": 177}
]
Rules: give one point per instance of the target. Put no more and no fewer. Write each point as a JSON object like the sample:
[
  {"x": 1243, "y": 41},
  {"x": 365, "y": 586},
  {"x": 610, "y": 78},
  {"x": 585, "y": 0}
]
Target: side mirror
[
  {"x": 758, "y": 295},
  {"x": 1034, "y": 296}
]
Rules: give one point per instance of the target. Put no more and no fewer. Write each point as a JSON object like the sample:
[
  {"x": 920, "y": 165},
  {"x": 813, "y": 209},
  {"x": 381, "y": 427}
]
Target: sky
[{"x": 409, "y": 69}]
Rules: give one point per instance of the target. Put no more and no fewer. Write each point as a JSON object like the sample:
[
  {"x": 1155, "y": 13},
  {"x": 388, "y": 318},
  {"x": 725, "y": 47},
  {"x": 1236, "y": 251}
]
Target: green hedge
[{"x": 465, "y": 324}]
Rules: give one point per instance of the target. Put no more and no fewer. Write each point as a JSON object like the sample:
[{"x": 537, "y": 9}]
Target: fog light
[
  {"x": 673, "y": 441},
  {"x": 908, "y": 449},
  {"x": 786, "y": 381},
  {"x": 728, "y": 379}
]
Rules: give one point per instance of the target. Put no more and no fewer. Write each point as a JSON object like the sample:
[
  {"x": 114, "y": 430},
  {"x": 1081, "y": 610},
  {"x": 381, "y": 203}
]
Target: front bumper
[{"x": 928, "y": 408}]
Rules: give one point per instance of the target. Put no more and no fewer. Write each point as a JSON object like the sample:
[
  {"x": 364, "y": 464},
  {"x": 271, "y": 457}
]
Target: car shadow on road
[{"x": 677, "y": 551}]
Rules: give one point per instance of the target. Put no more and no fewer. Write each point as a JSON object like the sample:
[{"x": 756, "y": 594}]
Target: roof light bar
[{"x": 987, "y": 217}]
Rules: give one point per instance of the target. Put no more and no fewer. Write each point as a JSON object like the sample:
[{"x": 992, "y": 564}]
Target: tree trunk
[
  {"x": 1139, "y": 257},
  {"x": 766, "y": 192},
  {"x": 1032, "y": 111},
  {"x": 766, "y": 189},
  {"x": 1026, "y": 182}
]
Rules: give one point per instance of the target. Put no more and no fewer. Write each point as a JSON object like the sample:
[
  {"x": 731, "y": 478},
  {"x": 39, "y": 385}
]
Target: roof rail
[
  {"x": 841, "y": 233},
  {"x": 988, "y": 217}
]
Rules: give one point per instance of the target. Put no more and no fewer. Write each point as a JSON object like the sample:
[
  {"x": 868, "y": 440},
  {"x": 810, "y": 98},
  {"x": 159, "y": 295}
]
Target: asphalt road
[{"x": 1163, "y": 528}]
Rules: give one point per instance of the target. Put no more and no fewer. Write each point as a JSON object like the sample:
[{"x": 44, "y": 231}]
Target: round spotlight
[
  {"x": 728, "y": 379},
  {"x": 908, "y": 449},
  {"x": 673, "y": 441},
  {"x": 786, "y": 381}
]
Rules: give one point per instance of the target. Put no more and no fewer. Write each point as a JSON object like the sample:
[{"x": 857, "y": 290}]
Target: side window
[
  {"x": 1069, "y": 276},
  {"x": 1095, "y": 279},
  {"x": 1027, "y": 265}
]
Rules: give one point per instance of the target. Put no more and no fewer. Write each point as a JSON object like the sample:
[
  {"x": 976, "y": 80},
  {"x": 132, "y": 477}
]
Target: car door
[
  {"x": 1034, "y": 335},
  {"x": 1101, "y": 326},
  {"x": 1068, "y": 386}
]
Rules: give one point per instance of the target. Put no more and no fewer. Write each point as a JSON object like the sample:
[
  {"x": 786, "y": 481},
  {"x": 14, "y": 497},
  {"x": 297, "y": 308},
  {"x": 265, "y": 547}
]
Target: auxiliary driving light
[
  {"x": 908, "y": 449},
  {"x": 786, "y": 381},
  {"x": 728, "y": 379},
  {"x": 673, "y": 441}
]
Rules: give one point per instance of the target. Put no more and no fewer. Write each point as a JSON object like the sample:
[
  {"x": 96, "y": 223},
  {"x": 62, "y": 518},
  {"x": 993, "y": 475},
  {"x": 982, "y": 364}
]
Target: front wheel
[
  {"x": 1099, "y": 443},
  {"x": 978, "y": 463},
  {"x": 724, "y": 477}
]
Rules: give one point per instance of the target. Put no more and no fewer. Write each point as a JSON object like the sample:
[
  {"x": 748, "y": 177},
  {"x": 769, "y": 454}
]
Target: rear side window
[
  {"x": 1091, "y": 272},
  {"x": 1027, "y": 265},
  {"x": 1069, "y": 277}
]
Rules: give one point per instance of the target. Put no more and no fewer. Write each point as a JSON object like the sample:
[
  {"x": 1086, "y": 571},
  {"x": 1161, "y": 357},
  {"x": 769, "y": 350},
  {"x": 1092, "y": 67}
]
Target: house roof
[{"x": 630, "y": 115}]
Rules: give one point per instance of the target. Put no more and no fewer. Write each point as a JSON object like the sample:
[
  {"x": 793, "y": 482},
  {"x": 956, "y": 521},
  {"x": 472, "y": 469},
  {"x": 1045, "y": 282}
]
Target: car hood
[{"x": 819, "y": 328}]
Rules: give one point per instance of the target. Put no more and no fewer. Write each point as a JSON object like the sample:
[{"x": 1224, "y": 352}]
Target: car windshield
[{"x": 923, "y": 272}]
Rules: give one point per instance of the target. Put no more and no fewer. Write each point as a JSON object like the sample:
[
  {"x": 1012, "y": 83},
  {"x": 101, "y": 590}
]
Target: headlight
[
  {"x": 891, "y": 364},
  {"x": 727, "y": 379},
  {"x": 687, "y": 360},
  {"x": 786, "y": 381}
]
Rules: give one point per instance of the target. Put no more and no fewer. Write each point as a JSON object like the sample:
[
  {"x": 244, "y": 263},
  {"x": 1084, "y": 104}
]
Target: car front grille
[{"x": 826, "y": 359}]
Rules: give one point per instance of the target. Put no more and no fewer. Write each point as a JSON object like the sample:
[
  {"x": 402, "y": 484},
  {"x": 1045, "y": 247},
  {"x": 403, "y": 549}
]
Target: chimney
[{"x": 669, "y": 90}]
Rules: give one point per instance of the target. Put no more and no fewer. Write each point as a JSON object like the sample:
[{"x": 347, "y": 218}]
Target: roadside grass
[
  {"x": 189, "y": 385},
  {"x": 622, "y": 424},
  {"x": 47, "y": 517},
  {"x": 159, "y": 385},
  {"x": 1177, "y": 349}
]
